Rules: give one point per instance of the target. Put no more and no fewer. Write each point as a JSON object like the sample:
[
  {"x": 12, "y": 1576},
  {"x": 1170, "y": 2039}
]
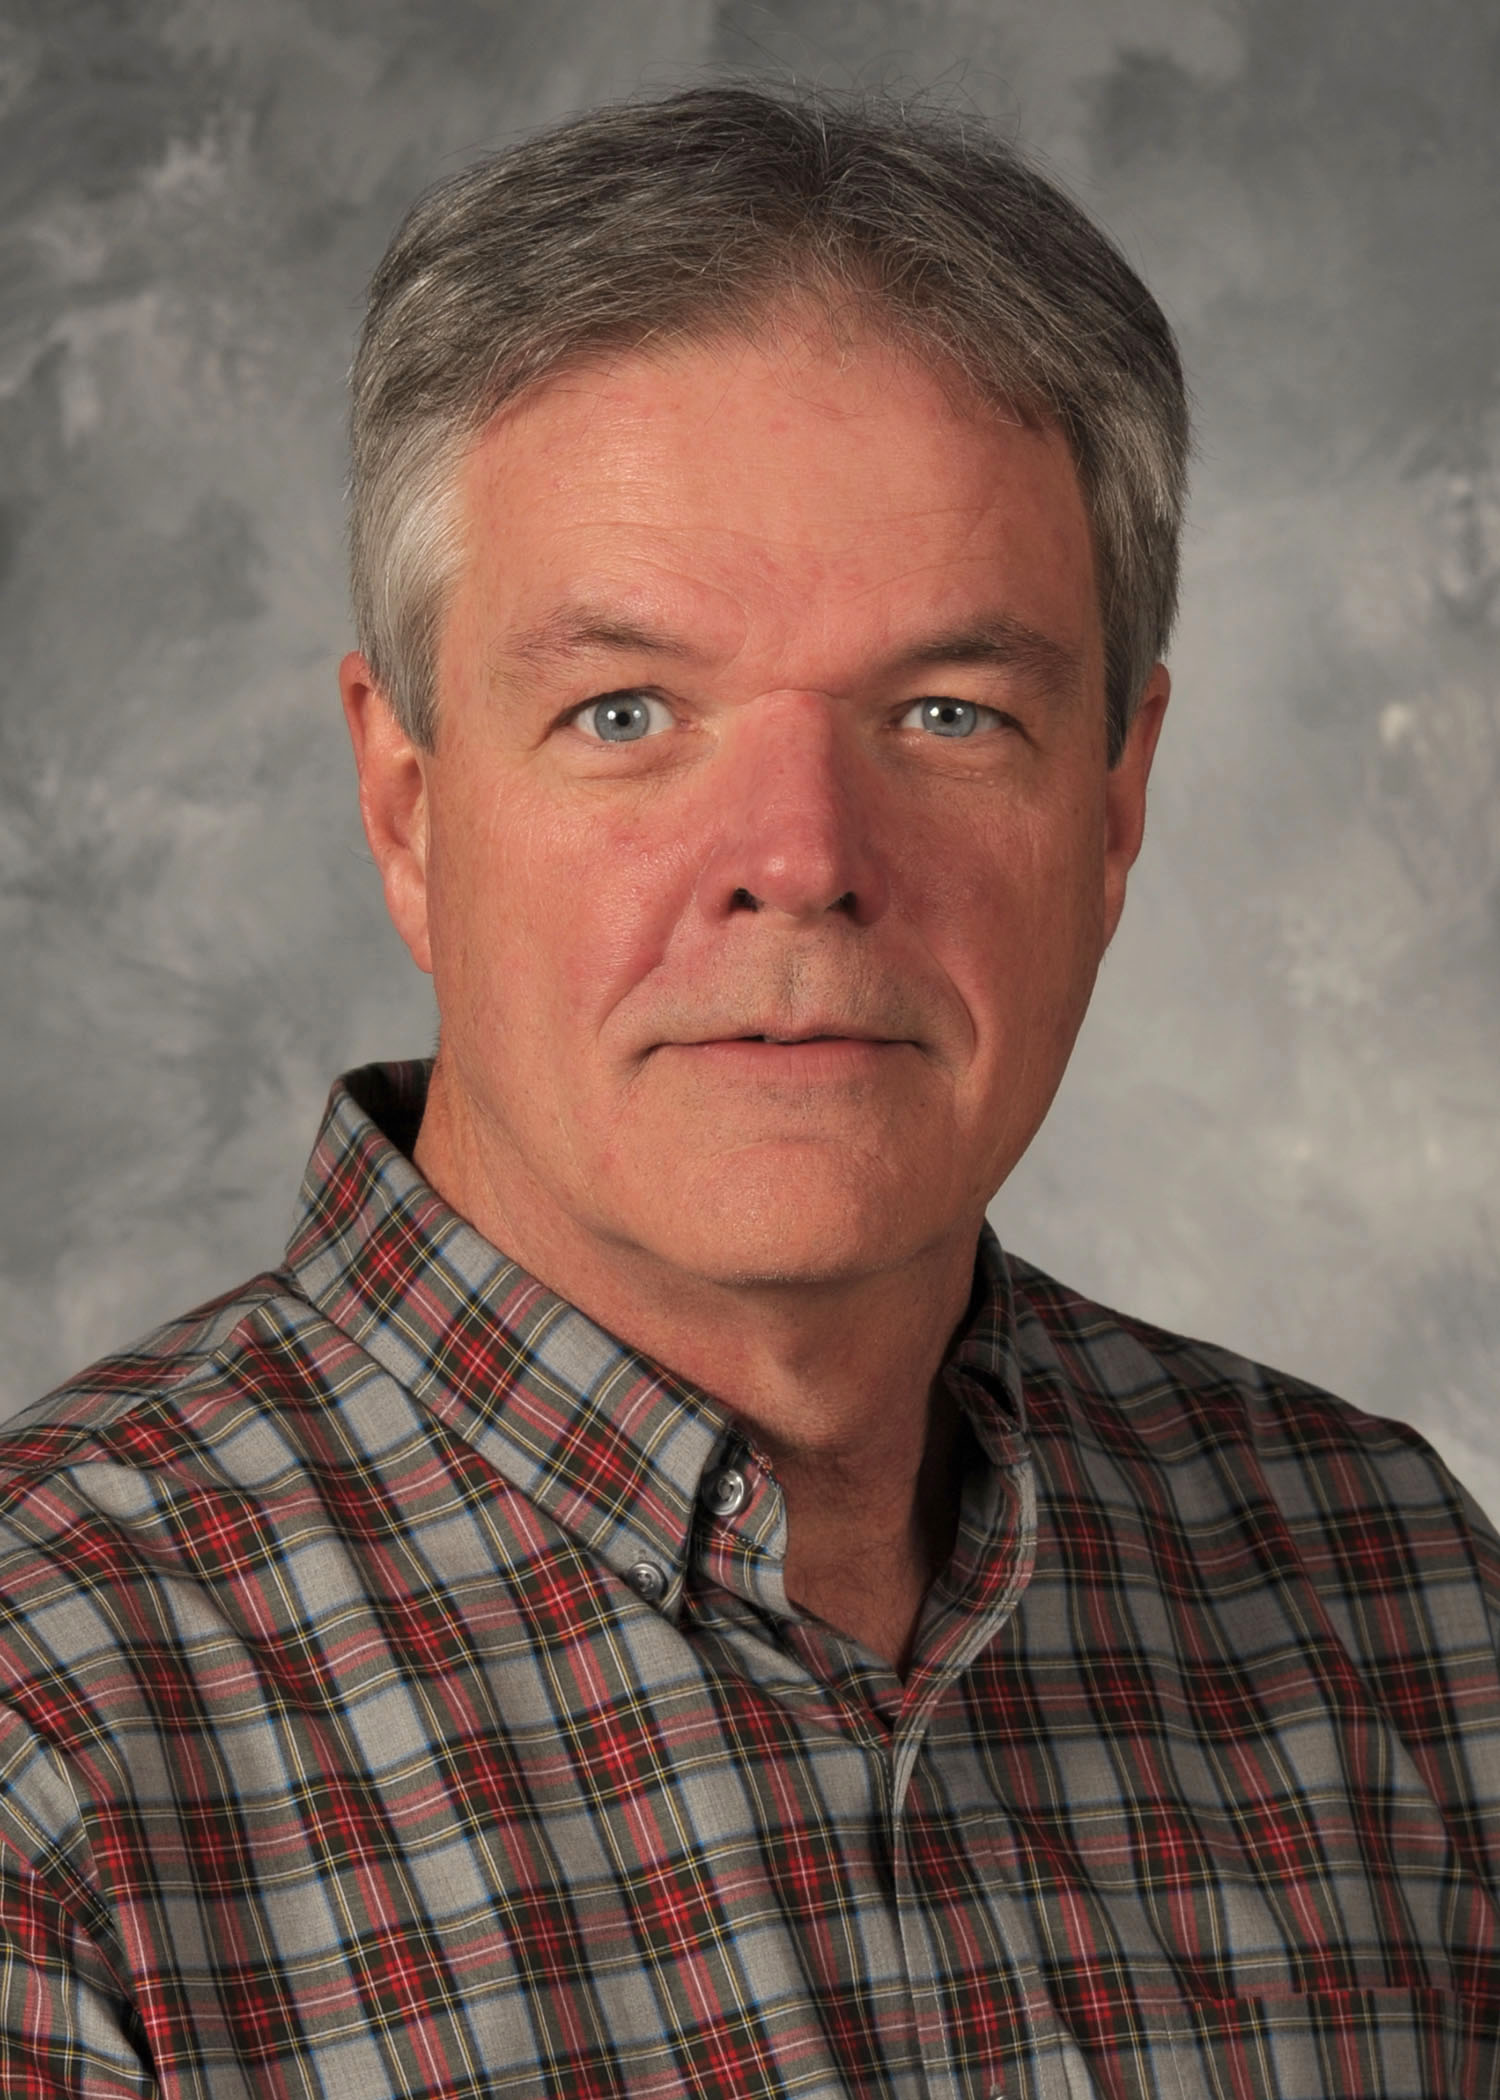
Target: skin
[{"x": 744, "y": 1022}]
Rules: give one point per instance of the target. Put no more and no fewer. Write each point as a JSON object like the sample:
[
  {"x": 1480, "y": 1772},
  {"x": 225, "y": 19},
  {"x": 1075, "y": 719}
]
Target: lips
[
  {"x": 820, "y": 1028},
  {"x": 774, "y": 1017},
  {"x": 827, "y": 1049},
  {"x": 832, "y": 1053},
  {"x": 811, "y": 1035}
]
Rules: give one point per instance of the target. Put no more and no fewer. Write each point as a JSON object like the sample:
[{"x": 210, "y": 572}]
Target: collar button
[{"x": 726, "y": 1491}]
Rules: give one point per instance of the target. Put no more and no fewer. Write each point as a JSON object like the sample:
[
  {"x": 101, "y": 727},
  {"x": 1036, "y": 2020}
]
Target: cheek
[
  {"x": 1014, "y": 907},
  {"x": 553, "y": 910}
]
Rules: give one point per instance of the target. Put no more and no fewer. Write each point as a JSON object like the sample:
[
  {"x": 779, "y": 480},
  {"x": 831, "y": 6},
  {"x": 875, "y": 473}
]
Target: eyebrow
[
  {"x": 995, "y": 639},
  {"x": 579, "y": 630},
  {"x": 1007, "y": 643}
]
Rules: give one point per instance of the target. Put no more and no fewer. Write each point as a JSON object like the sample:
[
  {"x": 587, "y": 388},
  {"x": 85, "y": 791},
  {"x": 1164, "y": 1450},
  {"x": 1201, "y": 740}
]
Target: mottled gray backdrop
[{"x": 1281, "y": 1126}]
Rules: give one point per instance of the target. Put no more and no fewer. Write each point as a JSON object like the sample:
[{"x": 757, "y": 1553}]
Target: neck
[{"x": 834, "y": 1382}]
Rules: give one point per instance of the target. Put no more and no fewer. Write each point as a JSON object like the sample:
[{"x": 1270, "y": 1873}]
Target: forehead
[{"x": 758, "y": 487}]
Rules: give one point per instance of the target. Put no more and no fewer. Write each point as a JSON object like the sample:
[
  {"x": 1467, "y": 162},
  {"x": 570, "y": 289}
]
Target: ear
[
  {"x": 1125, "y": 795},
  {"x": 392, "y": 802}
]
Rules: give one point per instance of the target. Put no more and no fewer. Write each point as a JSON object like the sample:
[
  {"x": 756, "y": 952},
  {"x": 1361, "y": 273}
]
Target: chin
[
  {"x": 797, "y": 1229},
  {"x": 772, "y": 1268}
]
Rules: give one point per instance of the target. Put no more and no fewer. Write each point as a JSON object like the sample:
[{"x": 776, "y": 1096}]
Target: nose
[{"x": 793, "y": 819}]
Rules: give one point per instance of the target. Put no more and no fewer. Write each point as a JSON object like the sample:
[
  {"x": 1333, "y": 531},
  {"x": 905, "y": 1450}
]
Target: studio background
[{"x": 1280, "y": 1128}]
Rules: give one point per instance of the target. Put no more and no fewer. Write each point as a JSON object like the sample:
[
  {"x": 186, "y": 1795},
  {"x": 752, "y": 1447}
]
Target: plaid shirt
[{"x": 401, "y": 1697}]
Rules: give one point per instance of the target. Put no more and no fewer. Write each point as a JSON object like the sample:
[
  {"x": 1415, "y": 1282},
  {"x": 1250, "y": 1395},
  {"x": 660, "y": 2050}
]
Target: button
[
  {"x": 724, "y": 1492},
  {"x": 647, "y": 1580}
]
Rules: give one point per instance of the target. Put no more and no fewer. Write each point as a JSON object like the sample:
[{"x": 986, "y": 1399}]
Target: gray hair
[{"x": 680, "y": 218}]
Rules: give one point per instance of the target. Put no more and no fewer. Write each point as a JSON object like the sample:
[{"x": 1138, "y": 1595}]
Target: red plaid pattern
[{"x": 386, "y": 1708}]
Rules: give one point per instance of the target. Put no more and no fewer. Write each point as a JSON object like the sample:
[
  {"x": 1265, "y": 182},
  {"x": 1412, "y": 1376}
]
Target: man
[{"x": 650, "y": 1599}]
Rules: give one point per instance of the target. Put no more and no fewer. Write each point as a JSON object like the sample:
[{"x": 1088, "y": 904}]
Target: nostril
[
  {"x": 743, "y": 901},
  {"x": 845, "y": 903}
]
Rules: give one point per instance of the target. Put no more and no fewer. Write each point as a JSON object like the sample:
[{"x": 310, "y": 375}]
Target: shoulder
[
  {"x": 217, "y": 1403},
  {"x": 178, "y": 1523},
  {"x": 1134, "y": 1381},
  {"x": 1217, "y": 1445}
]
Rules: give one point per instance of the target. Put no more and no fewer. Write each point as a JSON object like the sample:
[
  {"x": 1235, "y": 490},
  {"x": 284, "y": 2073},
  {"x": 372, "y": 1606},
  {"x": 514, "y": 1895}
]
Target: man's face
[{"x": 768, "y": 848}]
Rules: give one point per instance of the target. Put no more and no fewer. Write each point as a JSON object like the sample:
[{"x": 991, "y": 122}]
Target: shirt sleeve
[{"x": 67, "y": 2027}]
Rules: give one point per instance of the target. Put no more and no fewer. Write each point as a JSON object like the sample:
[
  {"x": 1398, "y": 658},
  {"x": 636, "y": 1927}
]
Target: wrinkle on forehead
[
  {"x": 995, "y": 638},
  {"x": 630, "y": 516}
]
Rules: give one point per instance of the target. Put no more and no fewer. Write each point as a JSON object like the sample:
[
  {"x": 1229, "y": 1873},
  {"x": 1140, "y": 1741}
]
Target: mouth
[
  {"x": 823, "y": 1060},
  {"x": 822, "y": 1035},
  {"x": 811, "y": 1052},
  {"x": 826, "y": 1028}
]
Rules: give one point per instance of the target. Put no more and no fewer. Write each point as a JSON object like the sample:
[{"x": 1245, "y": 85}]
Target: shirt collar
[{"x": 611, "y": 1446}]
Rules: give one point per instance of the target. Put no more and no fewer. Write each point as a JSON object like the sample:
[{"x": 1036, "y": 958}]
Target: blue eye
[
  {"x": 945, "y": 717},
  {"x": 624, "y": 718}
]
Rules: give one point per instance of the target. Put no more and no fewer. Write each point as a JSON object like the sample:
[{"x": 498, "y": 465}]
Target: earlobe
[{"x": 392, "y": 802}]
